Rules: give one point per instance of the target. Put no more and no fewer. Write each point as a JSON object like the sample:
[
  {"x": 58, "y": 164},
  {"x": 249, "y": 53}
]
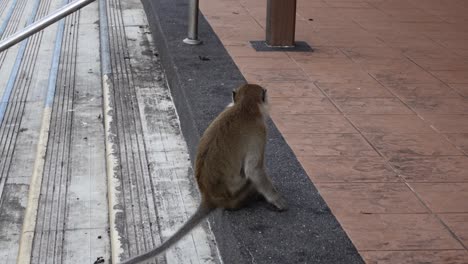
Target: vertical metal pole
[
  {"x": 281, "y": 23},
  {"x": 192, "y": 38}
]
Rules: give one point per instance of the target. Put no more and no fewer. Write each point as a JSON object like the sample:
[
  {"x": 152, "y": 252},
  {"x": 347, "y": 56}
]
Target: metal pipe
[
  {"x": 192, "y": 38},
  {"x": 43, "y": 23}
]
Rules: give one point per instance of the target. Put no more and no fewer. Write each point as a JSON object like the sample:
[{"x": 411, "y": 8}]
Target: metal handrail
[
  {"x": 43, "y": 23},
  {"x": 66, "y": 10}
]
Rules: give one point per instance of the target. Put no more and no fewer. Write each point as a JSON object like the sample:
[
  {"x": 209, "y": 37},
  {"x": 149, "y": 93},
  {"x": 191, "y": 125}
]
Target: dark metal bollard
[{"x": 281, "y": 23}]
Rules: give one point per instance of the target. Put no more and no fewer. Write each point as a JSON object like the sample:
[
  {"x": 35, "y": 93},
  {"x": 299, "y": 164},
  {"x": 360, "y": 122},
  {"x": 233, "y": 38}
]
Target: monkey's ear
[
  {"x": 264, "y": 95},
  {"x": 234, "y": 95}
]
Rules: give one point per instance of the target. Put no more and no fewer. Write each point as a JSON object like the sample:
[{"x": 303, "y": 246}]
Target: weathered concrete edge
[{"x": 201, "y": 89}]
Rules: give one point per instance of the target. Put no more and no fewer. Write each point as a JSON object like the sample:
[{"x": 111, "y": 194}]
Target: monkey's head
[{"x": 250, "y": 95}]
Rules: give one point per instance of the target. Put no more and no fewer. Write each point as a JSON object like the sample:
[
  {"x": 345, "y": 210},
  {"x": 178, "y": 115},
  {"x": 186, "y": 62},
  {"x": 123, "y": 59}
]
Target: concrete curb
[{"x": 308, "y": 232}]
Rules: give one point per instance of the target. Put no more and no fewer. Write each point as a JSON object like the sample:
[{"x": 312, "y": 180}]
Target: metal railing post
[
  {"x": 43, "y": 23},
  {"x": 192, "y": 38}
]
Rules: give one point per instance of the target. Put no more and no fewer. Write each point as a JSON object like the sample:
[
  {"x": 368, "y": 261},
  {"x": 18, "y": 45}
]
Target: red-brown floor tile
[
  {"x": 390, "y": 124},
  {"x": 319, "y": 52},
  {"x": 413, "y": 257},
  {"x": 365, "y": 14},
  {"x": 411, "y": 15},
  {"x": 274, "y": 75},
  {"x": 439, "y": 105},
  {"x": 406, "y": 91},
  {"x": 448, "y": 123},
  {"x": 329, "y": 145},
  {"x": 397, "y": 232},
  {"x": 395, "y": 146},
  {"x": 432, "y": 169},
  {"x": 238, "y": 51},
  {"x": 442, "y": 64},
  {"x": 351, "y": 75},
  {"x": 443, "y": 197},
  {"x": 347, "y": 169},
  {"x": 452, "y": 76},
  {"x": 434, "y": 52},
  {"x": 460, "y": 141},
  {"x": 264, "y": 63},
  {"x": 402, "y": 74},
  {"x": 297, "y": 105},
  {"x": 291, "y": 124},
  {"x": 394, "y": 4},
  {"x": 462, "y": 88},
  {"x": 458, "y": 223},
  {"x": 343, "y": 37},
  {"x": 372, "y": 106},
  {"x": 370, "y": 198},
  {"x": 358, "y": 89},
  {"x": 293, "y": 89},
  {"x": 348, "y": 4}
]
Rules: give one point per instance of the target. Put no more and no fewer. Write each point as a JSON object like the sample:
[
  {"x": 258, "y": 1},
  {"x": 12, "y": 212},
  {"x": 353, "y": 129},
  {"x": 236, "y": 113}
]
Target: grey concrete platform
[{"x": 93, "y": 164}]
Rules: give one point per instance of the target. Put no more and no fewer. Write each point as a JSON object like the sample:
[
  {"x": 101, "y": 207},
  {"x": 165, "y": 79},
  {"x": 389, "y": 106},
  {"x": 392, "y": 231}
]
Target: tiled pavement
[{"x": 377, "y": 115}]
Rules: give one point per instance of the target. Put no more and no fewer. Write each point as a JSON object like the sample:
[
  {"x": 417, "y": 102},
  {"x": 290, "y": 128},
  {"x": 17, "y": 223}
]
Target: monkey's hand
[{"x": 280, "y": 203}]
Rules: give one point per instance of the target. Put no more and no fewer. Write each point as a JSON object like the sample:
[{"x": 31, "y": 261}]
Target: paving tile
[
  {"x": 448, "y": 123},
  {"x": 400, "y": 145},
  {"x": 438, "y": 105},
  {"x": 390, "y": 124},
  {"x": 264, "y": 63},
  {"x": 370, "y": 198},
  {"x": 292, "y": 89},
  {"x": 319, "y": 52},
  {"x": 452, "y": 76},
  {"x": 238, "y": 51},
  {"x": 433, "y": 52},
  {"x": 454, "y": 43},
  {"x": 352, "y": 105},
  {"x": 402, "y": 73},
  {"x": 313, "y": 124},
  {"x": 394, "y": 4},
  {"x": 329, "y": 145},
  {"x": 274, "y": 75},
  {"x": 460, "y": 141},
  {"x": 411, "y": 15},
  {"x": 371, "y": 54},
  {"x": 443, "y": 197},
  {"x": 365, "y": 14},
  {"x": 458, "y": 223},
  {"x": 327, "y": 74},
  {"x": 348, "y": 169},
  {"x": 409, "y": 43},
  {"x": 398, "y": 232},
  {"x": 343, "y": 37},
  {"x": 432, "y": 169},
  {"x": 412, "y": 257},
  {"x": 442, "y": 64},
  {"x": 462, "y": 88},
  {"x": 425, "y": 90},
  {"x": 354, "y": 89},
  {"x": 298, "y": 105},
  {"x": 348, "y": 4}
]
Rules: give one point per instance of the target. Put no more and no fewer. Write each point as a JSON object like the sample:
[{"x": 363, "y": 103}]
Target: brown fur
[{"x": 229, "y": 167}]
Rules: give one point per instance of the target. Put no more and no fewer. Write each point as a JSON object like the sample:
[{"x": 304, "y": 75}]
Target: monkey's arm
[{"x": 255, "y": 171}]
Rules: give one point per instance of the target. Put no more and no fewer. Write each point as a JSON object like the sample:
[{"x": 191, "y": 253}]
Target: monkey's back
[{"x": 222, "y": 151}]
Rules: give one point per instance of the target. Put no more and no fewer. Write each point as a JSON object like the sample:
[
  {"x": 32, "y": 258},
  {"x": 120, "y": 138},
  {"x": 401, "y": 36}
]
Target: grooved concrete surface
[{"x": 93, "y": 165}]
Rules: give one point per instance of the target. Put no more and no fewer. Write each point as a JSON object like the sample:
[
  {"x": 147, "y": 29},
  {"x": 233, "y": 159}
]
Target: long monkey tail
[{"x": 202, "y": 212}]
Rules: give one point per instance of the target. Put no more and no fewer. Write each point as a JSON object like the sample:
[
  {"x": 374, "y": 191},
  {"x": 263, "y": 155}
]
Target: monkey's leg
[
  {"x": 243, "y": 196},
  {"x": 264, "y": 186}
]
